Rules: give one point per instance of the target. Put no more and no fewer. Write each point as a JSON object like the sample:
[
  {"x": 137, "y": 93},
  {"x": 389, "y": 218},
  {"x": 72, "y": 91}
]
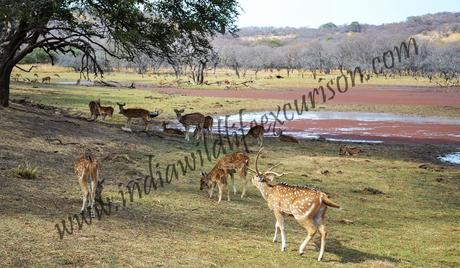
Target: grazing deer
[
  {"x": 57, "y": 75},
  {"x": 256, "y": 132},
  {"x": 215, "y": 177},
  {"x": 173, "y": 131},
  {"x": 285, "y": 138},
  {"x": 195, "y": 119},
  {"x": 46, "y": 79},
  {"x": 345, "y": 150},
  {"x": 307, "y": 205},
  {"x": 208, "y": 123},
  {"x": 104, "y": 110},
  {"x": 137, "y": 113},
  {"x": 237, "y": 162},
  {"x": 87, "y": 169}
]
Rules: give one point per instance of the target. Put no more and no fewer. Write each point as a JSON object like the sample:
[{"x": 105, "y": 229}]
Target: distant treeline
[{"x": 330, "y": 47}]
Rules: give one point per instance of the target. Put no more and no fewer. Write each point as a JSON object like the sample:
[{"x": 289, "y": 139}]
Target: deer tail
[{"x": 329, "y": 202}]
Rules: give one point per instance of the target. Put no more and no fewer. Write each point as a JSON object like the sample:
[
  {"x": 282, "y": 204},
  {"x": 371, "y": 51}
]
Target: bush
[{"x": 26, "y": 171}]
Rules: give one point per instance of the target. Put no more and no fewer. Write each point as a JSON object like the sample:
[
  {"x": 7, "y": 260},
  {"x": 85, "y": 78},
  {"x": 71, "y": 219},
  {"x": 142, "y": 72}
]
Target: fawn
[
  {"x": 137, "y": 113},
  {"x": 237, "y": 162},
  {"x": 195, "y": 119},
  {"x": 307, "y": 205},
  {"x": 215, "y": 177},
  {"x": 96, "y": 109},
  {"x": 87, "y": 169}
]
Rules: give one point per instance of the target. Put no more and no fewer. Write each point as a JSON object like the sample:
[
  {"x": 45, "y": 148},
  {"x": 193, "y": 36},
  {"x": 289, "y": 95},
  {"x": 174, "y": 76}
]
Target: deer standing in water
[
  {"x": 193, "y": 119},
  {"x": 307, "y": 205},
  {"x": 137, "y": 113},
  {"x": 87, "y": 169}
]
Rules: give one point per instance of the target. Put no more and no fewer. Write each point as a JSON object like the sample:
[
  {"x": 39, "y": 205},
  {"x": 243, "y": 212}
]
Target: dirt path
[{"x": 387, "y": 95}]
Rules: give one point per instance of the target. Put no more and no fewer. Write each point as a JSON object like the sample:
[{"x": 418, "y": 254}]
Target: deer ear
[
  {"x": 203, "y": 173},
  {"x": 102, "y": 181}
]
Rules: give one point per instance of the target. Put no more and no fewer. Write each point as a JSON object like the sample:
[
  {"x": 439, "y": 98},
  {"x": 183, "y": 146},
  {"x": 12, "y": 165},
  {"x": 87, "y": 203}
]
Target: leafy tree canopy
[{"x": 120, "y": 28}]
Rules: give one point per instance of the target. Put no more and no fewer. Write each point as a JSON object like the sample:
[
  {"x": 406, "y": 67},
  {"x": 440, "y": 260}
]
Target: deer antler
[
  {"x": 274, "y": 166},
  {"x": 274, "y": 174}
]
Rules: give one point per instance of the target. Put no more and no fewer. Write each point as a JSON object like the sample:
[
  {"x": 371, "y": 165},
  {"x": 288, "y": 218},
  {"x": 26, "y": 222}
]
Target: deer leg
[
  {"x": 85, "y": 192},
  {"x": 211, "y": 190},
  {"x": 228, "y": 191},
  {"x": 245, "y": 182},
  {"x": 311, "y": 230},
  {"x": 146, "y": 122},
  {"x": 232, "y": 175},
  {"x": 280, "y": 221},
  {"x": 186, "y": 133},
  {"x": 276, "y": 232},
  {"x": 92, "y": 197},
  {"x": 322, "y": 231},
  {"x": 220, "y": 192}
]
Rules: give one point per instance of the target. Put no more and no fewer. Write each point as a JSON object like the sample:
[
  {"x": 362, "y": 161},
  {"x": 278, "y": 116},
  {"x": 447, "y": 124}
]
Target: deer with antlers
[
  {"x": 193, "y": 119},
  {"x": 256, "y": 132},
  {"x": 137, "y": 113},
  {"x": 307, "y": 205},
  {"x": 87, "y": 169}
]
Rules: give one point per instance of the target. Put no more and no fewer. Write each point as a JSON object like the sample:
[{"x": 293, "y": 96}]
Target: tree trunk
[{"x": 5, "y": 75}]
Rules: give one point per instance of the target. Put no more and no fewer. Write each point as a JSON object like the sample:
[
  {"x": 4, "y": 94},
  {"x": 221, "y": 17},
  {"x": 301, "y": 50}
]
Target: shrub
[{"x": 26, "y": 171}]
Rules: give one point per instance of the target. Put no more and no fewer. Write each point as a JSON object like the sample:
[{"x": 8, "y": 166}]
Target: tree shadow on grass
[{"x": 350, "y": 255}]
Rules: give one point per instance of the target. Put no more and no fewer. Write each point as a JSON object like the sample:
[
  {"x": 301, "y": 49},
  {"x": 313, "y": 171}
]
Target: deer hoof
[
  {"x": 301, "y": 253},
  {"x": 283, "y": 249}
]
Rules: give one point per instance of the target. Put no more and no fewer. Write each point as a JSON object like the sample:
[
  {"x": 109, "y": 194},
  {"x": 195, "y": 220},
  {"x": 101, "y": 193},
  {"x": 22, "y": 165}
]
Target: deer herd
[{"x": 307, "y": 205}]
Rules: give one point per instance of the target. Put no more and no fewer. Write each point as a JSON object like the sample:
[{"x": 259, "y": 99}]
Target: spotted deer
[
  {"x": 307, "y": 205},
  {"x": 257, "y": 133},
  {"x": 172, "y": 131},
  {"x": 104, "y": 110},
  {"x": 207, "y": 126},
  {"x": 285, "y": 138},
  {"x": 96, "y": 109},
  {"x": 345, "y": 150},
  {"x": 137, "y": 113},
  {"x": 46, "y": 79},
  {"x": 87, "y": 169},
  {"x": 215, "y": 177},
  {"x": 193, "y": 119},
  {"x": 237, "y": 162}
]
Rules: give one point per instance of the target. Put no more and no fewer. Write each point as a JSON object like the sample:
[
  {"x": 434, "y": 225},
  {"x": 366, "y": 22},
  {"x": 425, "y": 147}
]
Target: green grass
[{"x": 413, "y": 224}]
